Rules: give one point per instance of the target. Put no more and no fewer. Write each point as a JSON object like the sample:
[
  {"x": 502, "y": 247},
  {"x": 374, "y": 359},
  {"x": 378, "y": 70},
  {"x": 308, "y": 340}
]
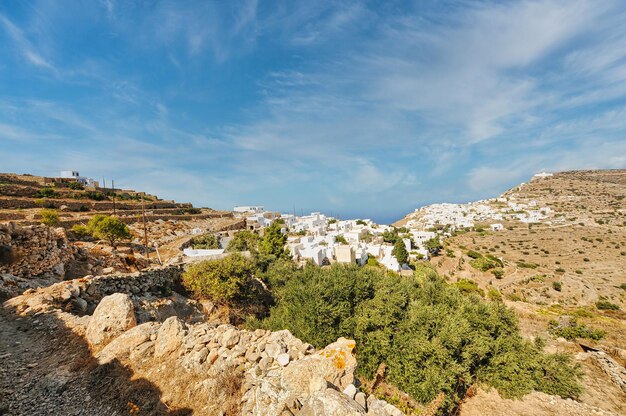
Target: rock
[
  {"x": 112, "y": 317},
  {"x": 330, "y": 403},
  {"x": 339, "y": 354},
  {"x": 81, "y": 304},
  {"x": 274, "y": 349},
  {"x": 283, "y": 359},
  {"x": 361, "y": 399},
  {"x": 350, "y": 391},
  {"x": 169, "y": 337},
  {"x": 122, "y": 346},
  {"x": 230, "y": 338}
]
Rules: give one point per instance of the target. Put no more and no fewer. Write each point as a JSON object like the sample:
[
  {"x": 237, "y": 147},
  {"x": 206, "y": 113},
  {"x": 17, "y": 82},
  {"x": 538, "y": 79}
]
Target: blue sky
[{"x": 363, "y": 109}]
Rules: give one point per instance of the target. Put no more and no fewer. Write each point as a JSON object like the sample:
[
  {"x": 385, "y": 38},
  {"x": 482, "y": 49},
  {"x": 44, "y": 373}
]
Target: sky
[{"x": 361, "y": 109}]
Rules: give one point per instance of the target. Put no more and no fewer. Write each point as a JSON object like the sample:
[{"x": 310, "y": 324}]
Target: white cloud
[{"x": 24, "y": 46}]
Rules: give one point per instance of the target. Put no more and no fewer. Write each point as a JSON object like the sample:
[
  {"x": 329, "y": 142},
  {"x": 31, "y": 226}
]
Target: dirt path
[{"x": 47, "y": 369}]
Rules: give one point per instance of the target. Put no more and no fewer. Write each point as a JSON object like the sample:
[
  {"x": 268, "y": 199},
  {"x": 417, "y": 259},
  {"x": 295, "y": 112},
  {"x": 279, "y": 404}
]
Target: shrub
[
  {"x": 221, "y": 280},
  {"x": 433, "y": 337},
  {"x": 526, "y": 265},
  {"x": 108, "y": 228},
  {"x": 494, "y": 294},
  {"x": 498, "y": 272},
  {"x": 557, "y": 286},
  {"x": 474, "y": 254},
  {"x": 605, "y": 305},
  {"x": 433, "y": 246},
  {"x": 341, "y": 239},
  {"x": 243, "y": 241},
  {"x": 80, "y": 231},
  {"x": 49, "y": 217},
  {"x": 77, "y": 186},
  {"x": 206, "y": 241},
  {"x": 573, "y": 330},
  {"x": 46, "y": 193}
]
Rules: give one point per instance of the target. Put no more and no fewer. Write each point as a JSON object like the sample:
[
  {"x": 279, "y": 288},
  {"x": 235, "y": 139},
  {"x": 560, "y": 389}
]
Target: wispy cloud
[{"x": 23, "y": 45}]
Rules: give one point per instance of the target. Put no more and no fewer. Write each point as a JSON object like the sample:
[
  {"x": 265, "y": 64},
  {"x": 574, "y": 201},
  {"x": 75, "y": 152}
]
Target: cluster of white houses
[
  {"x": 468, "y": 215},
  {"x": 325, "y": 240}
]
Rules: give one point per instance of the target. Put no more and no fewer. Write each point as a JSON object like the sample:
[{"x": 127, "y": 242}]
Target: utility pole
[
  {"x": 104, "y": 183},
  {"x": 145, "y": 229},
  {"x": 113, "y": 186}
]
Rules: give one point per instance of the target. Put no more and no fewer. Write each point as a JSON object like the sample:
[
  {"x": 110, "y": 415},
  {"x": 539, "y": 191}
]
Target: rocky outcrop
[
  {"x": 113, "y": 316},
  {"x": 209, "y": 367}
]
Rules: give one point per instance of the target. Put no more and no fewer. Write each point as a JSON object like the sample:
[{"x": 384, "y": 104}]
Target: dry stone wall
[{"x": 38, "y": 250}]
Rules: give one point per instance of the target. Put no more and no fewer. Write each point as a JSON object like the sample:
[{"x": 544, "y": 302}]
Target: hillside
[{"x": 559, "y": 257}]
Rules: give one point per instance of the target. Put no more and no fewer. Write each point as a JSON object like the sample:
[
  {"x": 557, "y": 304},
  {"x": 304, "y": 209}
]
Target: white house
[
  {"x": 249, "y": 208},
  {"x": 497, "y": 227},
  {"x": 73, "y": 174}
]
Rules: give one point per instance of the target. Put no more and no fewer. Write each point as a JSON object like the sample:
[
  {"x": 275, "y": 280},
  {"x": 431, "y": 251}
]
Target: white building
[
  {"x": 497, "y": 227},
  {"x": 249, "y": 208},
  {"x": 73, "y": 174}
]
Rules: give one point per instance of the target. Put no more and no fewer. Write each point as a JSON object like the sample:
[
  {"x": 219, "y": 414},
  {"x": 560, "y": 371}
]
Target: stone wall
[
  {"x": 82, "y": 295},
  {"x": 38, "y": 250}
]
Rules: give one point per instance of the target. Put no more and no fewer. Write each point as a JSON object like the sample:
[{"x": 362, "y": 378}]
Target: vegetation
[
  {"x": 272, "y": 246},
  {"x": 77, "y": 186},
  {"x": 49, "y": 217},
  {"x": 606, "y": 305},
  {"x": 341, "y": 239},
  {"x": 557, "y": 286},
  {"x": 433, "y": 246},
  {"x": 486, "y": 263},
  {"x": 206, "y": 241},
  {"x": 432, "y": 336},
  {"x": 573, "y": 330},
  {"x": 108, "y": 228},
  {"x": 399, "y": 252},
  {"x": 244, "y": 241},
  {"x": 221, "y": 280},
  {"x": 46, "y": 193}
]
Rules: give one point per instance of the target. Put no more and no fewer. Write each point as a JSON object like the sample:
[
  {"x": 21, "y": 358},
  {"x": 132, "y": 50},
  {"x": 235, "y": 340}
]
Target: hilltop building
[{"x": 74, "y": 174}]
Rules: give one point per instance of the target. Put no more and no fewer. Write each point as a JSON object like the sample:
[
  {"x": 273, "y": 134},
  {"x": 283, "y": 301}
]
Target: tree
[
  {"x": 341, "y": 239},
  {"x": 433, "y": 246},
  {"x": 222, "y": 280},
  {"x": 399, "y": 252},
  {"x": 273, "y": 242},
  {"x": 244, "y": 241},
  {"x": 110, "y": 228},
  {"x": 49, "y": 217},
  {"x": 390, "y": 236}
]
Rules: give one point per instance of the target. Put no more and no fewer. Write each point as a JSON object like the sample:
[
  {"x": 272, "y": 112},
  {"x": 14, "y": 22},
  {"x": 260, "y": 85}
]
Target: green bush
[
  {"x": 222, "y": 280},
  {"x": 341, "y": 239},
  {"x": 46, "y": 193},
  {"x": 494, "y": 294},
  {"x": 77, "y": 186},
  {"x": 108, "y": 228},
  {"x": 80, "y": 231},
  {"x": 469, "y": 286},
  {"x": 573, "y": 330},
  {"x": 498, "y": 272},
  {"x": 474, "y": 254},
  {"x": 432, "y": 336},
  {"x": 206, "y": 241},
  {"x": 557, "y": 286},
  {"x": 243, "y": 241},
  {"x": 606, "y": 305},
  {"x": 49, "y": 217}
]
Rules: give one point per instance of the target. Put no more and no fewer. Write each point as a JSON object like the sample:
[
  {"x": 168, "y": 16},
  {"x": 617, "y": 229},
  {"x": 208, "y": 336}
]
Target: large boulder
[
  {"x": 122, "y": 346},
  {"x": 169, "y": 337},
  {"x": 113, "y": 316}
]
